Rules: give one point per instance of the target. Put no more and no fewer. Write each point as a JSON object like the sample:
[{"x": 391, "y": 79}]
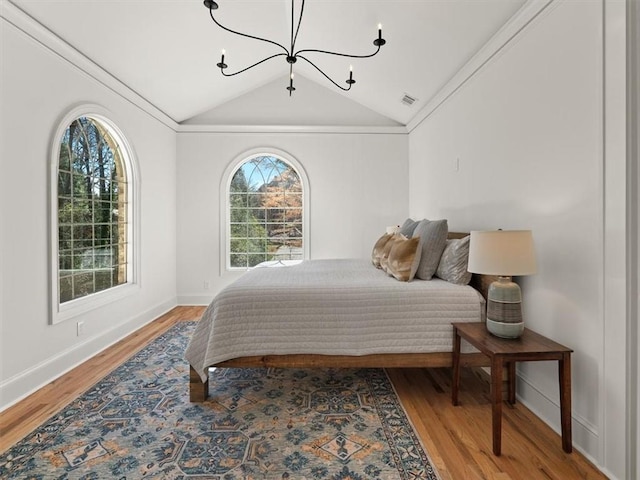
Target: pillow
[
  {"x": 434, "y": 239},
  {"x": 408, "y": 227},
  {"x": 378, "y": 248},
  {"x": 454, "y": 261},
  {"x": 404, "y": 258},
  {"x": 384, "y": 258}
]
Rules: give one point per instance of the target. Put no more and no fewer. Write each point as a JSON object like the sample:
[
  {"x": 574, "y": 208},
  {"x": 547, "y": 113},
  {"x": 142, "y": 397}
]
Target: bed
[{"x": 332, "y": 313}]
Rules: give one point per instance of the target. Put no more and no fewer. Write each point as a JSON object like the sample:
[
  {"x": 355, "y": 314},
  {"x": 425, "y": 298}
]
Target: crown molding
[
  {"x": 16, "y": 17},
  {"x": 509, "y": 31},
  {"x": 293, "y": 129}
]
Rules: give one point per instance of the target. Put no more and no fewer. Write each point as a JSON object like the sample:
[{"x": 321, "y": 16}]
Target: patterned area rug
[{"x": 334, "y": 424}]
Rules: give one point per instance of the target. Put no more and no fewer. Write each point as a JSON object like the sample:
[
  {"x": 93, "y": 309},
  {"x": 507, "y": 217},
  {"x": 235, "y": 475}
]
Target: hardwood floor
[{"x": 458, "y": 439}]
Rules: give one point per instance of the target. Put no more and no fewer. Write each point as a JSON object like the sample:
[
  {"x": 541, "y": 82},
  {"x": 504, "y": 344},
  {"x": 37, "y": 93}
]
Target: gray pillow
[
  {"x": 408, "y": 227},
  {"x": 454, "y": 262},
  {"x": 434, "y": 238}
]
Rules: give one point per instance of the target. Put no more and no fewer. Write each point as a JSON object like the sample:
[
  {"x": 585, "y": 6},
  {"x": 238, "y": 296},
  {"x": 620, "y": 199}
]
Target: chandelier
[{"x": 291, "y": 54}]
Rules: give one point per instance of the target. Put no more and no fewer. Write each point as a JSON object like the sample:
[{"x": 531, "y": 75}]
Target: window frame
[
  {"x": 60, "y": 312},
  {"x": 225, "y": 214}
]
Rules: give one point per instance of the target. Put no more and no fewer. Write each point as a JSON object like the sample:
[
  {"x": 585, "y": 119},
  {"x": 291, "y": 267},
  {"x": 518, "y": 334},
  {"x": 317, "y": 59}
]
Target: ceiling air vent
[{"x": 408, "y": 100}]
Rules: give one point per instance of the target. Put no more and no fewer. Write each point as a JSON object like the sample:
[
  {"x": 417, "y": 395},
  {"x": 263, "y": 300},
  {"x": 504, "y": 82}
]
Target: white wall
[
  {"x": 38, "y": 87},
  {"x": 527, "y": 129},
  {"x": 357, "y": 187},
  {"x": 312, "y": 104}
]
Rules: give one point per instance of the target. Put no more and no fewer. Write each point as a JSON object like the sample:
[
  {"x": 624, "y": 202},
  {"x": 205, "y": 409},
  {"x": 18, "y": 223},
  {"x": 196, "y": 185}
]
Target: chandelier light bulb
[{"x": 222, "y": 65}]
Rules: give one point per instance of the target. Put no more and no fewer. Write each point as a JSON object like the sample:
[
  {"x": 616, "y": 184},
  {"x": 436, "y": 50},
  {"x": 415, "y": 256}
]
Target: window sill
[{"x": 77, "y": 307}]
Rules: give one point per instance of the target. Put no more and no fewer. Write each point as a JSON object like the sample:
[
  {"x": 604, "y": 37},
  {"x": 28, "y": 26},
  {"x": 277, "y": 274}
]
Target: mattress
[{"x": 329, "y": 307}]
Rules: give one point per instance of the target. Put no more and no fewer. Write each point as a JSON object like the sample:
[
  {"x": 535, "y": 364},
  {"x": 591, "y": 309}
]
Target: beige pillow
[
  {"x": 404, "y": 258},
  {"x": 454, "y": 260},
  {"x": 378, "y": 248},
  {"x": 384, "y": 258}
]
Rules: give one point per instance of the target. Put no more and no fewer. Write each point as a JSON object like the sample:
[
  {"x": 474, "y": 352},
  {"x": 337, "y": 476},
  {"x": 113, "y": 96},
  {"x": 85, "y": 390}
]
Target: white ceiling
[{"x": 166, "y": 50}]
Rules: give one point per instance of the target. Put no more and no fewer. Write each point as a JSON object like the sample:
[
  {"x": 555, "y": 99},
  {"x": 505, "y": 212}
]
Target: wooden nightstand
[{"x": 504, "y": 353}]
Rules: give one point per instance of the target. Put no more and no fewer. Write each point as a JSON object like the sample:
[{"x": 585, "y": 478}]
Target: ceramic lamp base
[
  {"x": 505, "y": 330},
  {"x": 504, "y": 309}
]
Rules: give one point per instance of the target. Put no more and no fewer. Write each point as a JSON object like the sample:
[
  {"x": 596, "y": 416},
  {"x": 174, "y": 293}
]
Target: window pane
[
  {"x": 81, "y": 244},
  {"x": 239, "y": 245},
  {"x": 65, "y": 263},
  {"x": 65, "y": 156},
  {"x": 256, "y": 258},
  {"x": 81, "y": 211},
  {"x": 82, "y": 231},
  {"x": 293, "y": 214},
  {"x": 238, "y": 215},
  {"x": 238, "y": 230},
  {"x": 103, "y": 279},
  {"x": 256, "y": 248},
  {"x": 238, "y": 260},
  {"x": 64, "y": 184},
  {"x": 81, "y": 186},
  {"x": 64, "y": 237},
  {"x": 254, "y": 199},
  {"x": 101, "y": 212},
  {"x": 257, "y": 215},
  {"x": 66, "y": 289},
  {"x": 238, "y": 200},
  {"x": 102, "y": 231},
  {"x": 295, "y": 230},
  {"x": 83, "y": 284}
]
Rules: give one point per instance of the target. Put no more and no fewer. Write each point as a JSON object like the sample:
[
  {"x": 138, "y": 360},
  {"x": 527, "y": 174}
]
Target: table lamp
[{"x": 505, "y": 253}]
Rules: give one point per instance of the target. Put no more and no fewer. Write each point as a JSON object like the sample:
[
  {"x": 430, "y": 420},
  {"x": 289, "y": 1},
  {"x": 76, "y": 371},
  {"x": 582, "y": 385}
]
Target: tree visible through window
[
  {"x": 265, "y": 212},
  {"x": 92, "y": 211}
]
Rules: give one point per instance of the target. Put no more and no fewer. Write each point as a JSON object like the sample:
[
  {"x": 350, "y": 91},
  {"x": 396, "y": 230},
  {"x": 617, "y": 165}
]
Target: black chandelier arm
[
  {"x": 245, "y": 34},
  {"x": 294, "y": 38},
  {"x": 251, "y": 66},
  {"x": 313, "y": 50},
  {"x": 325, "y": 75}
]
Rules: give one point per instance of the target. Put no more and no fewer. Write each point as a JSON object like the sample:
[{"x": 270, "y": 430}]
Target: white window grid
[{"x": 285, "y": 246}]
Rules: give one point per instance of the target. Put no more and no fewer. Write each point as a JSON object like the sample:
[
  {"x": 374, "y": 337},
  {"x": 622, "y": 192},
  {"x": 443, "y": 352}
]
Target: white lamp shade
[{"x": 502, "y": 252}]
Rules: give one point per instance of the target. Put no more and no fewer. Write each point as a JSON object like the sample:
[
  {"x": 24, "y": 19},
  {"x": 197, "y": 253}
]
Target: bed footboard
[{"x": 198, "y": 390}]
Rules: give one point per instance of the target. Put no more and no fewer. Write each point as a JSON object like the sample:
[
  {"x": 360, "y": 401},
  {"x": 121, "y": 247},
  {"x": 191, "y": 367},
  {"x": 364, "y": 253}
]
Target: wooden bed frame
[{"x": 199, "y": 390}]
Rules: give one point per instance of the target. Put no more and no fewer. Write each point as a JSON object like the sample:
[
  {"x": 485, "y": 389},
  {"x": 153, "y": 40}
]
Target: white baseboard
[
  {"x": 23, "y": 384},
  {"x": 585, "y": 435},
  {"x": 194, "y": 300}
]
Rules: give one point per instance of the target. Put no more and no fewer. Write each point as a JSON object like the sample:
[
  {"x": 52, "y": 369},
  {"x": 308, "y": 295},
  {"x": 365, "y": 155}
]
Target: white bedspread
[{"x": 330, "y": 307}]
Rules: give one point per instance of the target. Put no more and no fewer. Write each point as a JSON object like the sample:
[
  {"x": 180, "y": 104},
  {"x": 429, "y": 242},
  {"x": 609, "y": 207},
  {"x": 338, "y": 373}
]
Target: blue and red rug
[{"x": 138, "y": 423}]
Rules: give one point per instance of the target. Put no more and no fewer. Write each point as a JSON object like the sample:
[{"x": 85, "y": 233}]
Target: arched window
[
  {"x": 265, "y": 211},
  {"x": 91, "y": 213}
]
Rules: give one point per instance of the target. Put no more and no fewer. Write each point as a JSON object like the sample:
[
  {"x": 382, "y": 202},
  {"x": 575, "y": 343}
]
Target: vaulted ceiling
[{"x": 166, "y": 50}]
